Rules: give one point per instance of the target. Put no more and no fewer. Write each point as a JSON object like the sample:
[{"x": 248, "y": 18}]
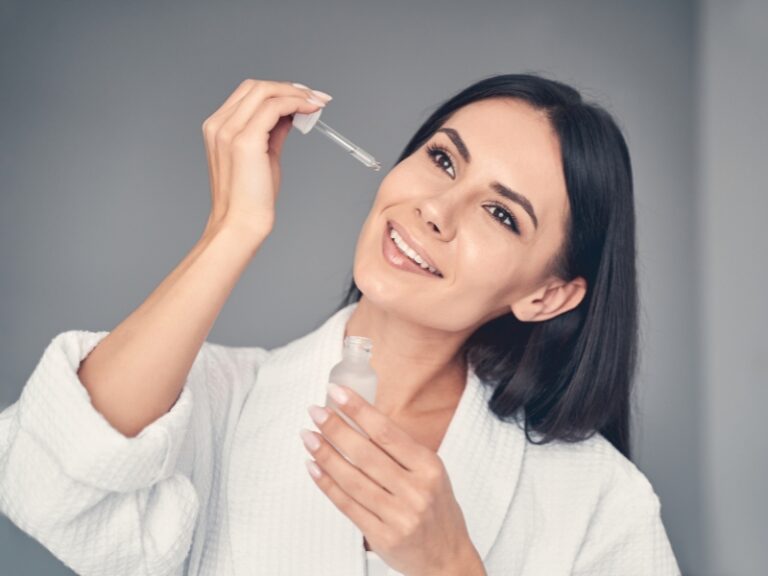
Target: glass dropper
[
  {"x": 305, "y": 123},
  {"x": 356, "y": 152}
]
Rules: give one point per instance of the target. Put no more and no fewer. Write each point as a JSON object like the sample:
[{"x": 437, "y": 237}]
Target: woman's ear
[{"x": 550, "y": 300}]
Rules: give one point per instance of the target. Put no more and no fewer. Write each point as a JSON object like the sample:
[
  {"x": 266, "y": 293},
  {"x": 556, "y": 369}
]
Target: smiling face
[{"x": 484, "y": 200}]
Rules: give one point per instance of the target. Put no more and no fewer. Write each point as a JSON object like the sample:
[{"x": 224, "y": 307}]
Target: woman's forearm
[{"x": 136, "y": 373}]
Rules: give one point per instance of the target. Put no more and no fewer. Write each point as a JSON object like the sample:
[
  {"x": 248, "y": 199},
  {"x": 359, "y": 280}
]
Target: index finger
[
  {"x": 382, "y": 430},
  {"x": 249, "y": 83}
]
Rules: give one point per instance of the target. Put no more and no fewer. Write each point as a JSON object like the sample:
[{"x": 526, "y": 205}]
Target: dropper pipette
[
  {"x": 305, "y": 123},
  {"x": 353, "y": 149}
]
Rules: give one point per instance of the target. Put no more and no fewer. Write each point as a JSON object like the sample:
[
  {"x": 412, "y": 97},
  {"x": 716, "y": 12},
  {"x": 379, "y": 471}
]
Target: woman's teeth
[{"x": 410, "y": 252}]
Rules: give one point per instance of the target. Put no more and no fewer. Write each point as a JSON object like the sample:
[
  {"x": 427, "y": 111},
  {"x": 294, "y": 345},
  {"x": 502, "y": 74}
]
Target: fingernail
[
  {"x": 316, "y": 101},
  {"x": 300, "y": 86},
  {"x": 337, "y": 393},
  {"x": 313, "y": 469},
  {"x": 322, "y": 95},
  {"x": 318, "y": 414},
  {"x": 310, "y": 440}
]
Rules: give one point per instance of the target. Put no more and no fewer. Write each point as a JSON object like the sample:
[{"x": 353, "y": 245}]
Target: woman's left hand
[{"x": 394, "y": 489}]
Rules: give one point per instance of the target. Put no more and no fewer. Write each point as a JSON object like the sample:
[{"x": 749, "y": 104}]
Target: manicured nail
[
  {"x": 337, "y": 393},
  {"x": 322, "y": 95},
  {"x": 313, "y": 469},
  {"x": 318, "y": 414},
  {"x": 319, "y": 93},
  {"x": 312, "y": 100},
  {"x": 310, "y": 440}
]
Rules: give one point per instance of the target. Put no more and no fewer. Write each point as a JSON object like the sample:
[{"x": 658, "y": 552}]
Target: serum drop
[{"x": 354, "y": 371}]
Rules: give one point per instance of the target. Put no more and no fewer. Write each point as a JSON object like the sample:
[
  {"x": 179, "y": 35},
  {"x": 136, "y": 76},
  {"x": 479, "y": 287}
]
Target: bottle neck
[
  {"x": 357, "y": 357},
  {"x": 357, "y": 348}
]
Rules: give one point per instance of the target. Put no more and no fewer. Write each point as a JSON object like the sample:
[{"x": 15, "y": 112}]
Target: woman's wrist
[
  {"x": 468, "y": 563},
  {"x": 247, "y": 238}
]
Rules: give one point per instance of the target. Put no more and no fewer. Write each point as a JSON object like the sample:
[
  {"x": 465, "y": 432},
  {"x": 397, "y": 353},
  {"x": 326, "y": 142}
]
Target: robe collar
[{"x": 280, "y": 522}]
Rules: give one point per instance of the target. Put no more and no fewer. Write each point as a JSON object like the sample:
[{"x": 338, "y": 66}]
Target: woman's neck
[{"x": 420, "y": 370}]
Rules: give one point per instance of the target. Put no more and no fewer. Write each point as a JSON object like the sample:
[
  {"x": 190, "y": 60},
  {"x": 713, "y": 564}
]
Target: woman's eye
[
  {"x": 441, "y": 158},
  {"x": 504, "y": 217}
]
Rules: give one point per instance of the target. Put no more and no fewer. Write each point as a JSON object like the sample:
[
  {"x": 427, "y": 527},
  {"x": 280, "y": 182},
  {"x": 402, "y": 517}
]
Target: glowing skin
[{"x": 417, "y": 321}]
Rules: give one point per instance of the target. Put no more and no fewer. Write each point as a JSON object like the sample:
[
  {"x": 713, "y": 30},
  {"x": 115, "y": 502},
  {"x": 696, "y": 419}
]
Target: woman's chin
[{"x": 377, "y": 289}]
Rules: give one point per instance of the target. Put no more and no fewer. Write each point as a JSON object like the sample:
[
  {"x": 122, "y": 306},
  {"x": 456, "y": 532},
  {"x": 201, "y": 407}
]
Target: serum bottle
[{"x": 354, "y": 371}]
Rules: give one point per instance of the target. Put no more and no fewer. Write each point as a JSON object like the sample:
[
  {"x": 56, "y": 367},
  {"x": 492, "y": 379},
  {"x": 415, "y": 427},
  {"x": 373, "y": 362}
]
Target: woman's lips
[
  {"x": 403, "y": 233},
  {"x": 399, "y": 260}
]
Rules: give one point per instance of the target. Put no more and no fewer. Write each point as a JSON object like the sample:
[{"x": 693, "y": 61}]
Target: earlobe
[{"x": 550, "y": 301}]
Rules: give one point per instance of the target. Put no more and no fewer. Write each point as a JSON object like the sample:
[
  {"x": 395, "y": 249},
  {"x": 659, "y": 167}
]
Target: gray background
[{"x": 104, "y": 189}]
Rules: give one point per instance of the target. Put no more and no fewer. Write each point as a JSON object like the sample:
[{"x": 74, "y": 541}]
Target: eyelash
[{"x": 433, "y": 150}]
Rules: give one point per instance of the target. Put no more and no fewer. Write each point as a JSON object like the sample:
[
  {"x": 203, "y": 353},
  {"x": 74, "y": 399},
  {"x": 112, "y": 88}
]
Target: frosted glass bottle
[{"x": 354, "y": 371}]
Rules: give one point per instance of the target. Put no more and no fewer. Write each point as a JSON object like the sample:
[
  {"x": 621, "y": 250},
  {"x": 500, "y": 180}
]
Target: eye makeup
[
  {"x": 498, "y": 187},
  {"x": 435, "y": 151}
]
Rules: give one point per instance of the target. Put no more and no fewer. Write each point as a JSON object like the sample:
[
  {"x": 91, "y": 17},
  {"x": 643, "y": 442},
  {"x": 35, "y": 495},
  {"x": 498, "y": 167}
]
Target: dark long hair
[{"x": 573, "y": 373}]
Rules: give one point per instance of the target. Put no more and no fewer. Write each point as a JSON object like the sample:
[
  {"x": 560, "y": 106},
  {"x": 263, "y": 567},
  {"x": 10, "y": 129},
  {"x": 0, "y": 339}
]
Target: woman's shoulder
[
  {"x": 603, "y": 498},
  {"x": 593, "y": 468},
  {"x": 225, "y": 374},
  {"x": 232, "y": 360}
]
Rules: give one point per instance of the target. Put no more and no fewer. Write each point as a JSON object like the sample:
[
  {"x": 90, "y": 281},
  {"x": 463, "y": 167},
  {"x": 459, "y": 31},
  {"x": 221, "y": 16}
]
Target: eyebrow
[{"x": 498, "y": 187}]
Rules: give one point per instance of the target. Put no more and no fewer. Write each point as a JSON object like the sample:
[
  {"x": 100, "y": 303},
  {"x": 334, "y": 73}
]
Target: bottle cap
[{"x": 305, "y": 122}]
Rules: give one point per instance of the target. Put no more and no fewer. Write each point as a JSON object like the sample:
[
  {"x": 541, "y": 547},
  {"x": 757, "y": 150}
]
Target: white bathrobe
[{"x": 218, "y": 485}]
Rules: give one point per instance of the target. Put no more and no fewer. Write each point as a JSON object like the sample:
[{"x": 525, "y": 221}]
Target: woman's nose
[{"x": 437, "y": 218}]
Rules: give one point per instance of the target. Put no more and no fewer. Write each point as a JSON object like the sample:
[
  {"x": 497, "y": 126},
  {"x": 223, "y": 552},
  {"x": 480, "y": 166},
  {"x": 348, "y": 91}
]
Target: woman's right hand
[{"x": 243, "y": 141}]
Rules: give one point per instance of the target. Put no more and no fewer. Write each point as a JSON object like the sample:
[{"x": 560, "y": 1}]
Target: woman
[{"x": 495, "y": 276}]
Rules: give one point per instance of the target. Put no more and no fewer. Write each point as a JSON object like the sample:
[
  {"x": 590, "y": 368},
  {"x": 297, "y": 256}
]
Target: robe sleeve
[{"x": 101, "y": 502}]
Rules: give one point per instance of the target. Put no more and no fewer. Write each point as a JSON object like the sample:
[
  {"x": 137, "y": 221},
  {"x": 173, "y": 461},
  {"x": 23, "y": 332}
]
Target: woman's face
[{"x": 491, "y": 250}]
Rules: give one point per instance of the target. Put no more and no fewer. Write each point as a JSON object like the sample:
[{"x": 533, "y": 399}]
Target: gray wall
[
  {"x": 105, "y": 187},
  {"x": 734, "y": 274}
]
